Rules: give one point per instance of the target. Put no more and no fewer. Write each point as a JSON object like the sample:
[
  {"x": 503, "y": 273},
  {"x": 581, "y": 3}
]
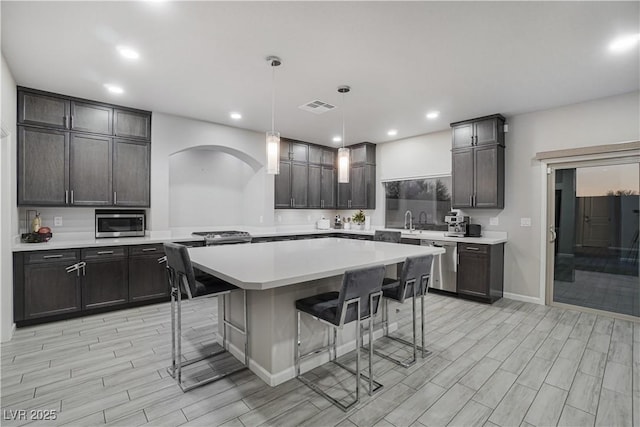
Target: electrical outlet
[
  {"x": 525, "y": 222},
  {"x": 494, "y": 220},
  {"x": 57, "y": 221}
]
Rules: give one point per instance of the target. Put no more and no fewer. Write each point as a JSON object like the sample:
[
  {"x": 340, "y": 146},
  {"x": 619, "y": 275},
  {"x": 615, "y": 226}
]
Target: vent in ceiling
[{"x": 317, "y": 107}]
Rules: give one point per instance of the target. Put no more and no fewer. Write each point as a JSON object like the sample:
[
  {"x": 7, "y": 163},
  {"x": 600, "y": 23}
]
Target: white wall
[
  {"x": 603, "y": 121},
  {"x": 8, "y": 211}
]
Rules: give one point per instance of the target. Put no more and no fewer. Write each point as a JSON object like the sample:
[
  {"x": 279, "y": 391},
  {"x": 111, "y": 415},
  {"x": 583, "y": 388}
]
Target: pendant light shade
[
  {"x": 343, "y": 153},
  {"x": 273, "y": 137}
]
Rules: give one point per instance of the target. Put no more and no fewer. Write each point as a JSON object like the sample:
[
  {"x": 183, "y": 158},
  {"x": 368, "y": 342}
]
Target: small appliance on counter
[
  {"x": 338, "y": 222},
  {"x": 323, "y": 224},
  {"x": 458, "y": 224},
  {"x": 474, "y": 230}
]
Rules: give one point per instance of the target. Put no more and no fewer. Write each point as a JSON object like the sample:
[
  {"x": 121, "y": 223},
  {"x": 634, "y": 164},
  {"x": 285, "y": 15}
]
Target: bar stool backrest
[
  {"x": 180, "y": 268},
  {"x": 359, "y": 283},
  {"x": 416, "y": 268},
  {"x": 387, "y": 236}
]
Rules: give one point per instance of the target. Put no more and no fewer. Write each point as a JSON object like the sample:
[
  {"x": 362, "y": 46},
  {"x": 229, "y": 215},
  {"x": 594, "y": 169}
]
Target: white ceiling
[{"x": 402, "y": 59}]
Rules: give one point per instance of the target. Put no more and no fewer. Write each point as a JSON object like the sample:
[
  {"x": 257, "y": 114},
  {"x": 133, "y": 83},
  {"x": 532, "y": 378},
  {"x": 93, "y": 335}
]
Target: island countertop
[{"x": 275, "y": 264}]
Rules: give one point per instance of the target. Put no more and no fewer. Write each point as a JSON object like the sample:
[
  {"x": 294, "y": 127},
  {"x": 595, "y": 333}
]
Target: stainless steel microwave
[{"x": 120, "y": 223}]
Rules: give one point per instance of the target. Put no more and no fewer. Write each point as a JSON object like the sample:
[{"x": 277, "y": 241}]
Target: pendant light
[
  {"x": 343, "y": 153},
  {"x": 273, "y": 137}
]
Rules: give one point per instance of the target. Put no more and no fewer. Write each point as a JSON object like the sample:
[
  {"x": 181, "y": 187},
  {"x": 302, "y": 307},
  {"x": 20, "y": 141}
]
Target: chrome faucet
[{"x": 410, "y": 220}]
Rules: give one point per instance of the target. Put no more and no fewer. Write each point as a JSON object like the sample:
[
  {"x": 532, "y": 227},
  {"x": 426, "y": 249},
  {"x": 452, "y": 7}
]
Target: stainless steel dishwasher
[{"x": 445, "y": 269}]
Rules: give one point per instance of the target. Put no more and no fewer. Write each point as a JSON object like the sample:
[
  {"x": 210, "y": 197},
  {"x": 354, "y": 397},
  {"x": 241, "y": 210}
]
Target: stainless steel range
[{"x": 213, "y": 238}]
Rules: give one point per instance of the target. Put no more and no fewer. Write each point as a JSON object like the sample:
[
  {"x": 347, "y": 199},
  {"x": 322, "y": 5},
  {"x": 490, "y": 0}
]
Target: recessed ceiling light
[
  {"x": 433, "y": 114},
  {"x": 114, "y": 89},
  {"x": 128, "y": 52},
  {"x": 235, "y": 116},
  {"x": 624, "y": 43},
  {"x": 337, "y": 139},
  {"x": 392, "y": 132}
]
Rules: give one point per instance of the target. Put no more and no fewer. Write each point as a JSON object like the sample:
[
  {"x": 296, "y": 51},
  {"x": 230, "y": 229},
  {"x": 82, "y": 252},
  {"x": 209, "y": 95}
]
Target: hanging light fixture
[
  {"x": 343, "y": 153},
  {"x": 273, "y": 137}
]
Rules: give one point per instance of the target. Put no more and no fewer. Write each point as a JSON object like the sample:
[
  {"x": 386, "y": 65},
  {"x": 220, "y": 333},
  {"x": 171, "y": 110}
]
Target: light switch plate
[
  {"x": 494, "y": 220},
  {"x": 57, "y": 221},
  {"x": 525, "y": 222}
]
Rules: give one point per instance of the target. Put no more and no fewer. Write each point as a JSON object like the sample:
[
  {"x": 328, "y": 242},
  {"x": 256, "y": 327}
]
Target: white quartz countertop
[{"x": 275, "y": 264}]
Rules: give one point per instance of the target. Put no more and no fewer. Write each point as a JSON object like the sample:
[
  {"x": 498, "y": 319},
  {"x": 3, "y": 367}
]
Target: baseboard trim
[
  {"x": 13, "y": 331},
  {"x": 523, "y": 298}
]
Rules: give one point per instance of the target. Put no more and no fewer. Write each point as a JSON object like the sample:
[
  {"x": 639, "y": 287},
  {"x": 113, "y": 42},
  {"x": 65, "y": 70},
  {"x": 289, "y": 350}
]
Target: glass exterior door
[{"x": 595, "y": 225}]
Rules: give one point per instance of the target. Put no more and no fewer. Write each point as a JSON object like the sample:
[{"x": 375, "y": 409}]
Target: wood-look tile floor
[{"x": 508, "y": 364}]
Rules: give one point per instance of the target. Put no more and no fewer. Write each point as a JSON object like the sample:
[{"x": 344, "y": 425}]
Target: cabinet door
[
  {"x": 91, "y": 118},
  {"x": 328, "y": 190},
  {"x": 315, "y": 154},
  {"x": 285, "y": 149},
  {"x": 131, "y": 173},
  {"x": 462, "y": 136},
  {"x": 358, "y": 154},
  {"x": 50, "y": 290},
  {"x": 43, "y": 173},
  {"x": 105, "y": 283},
  {"x": 90, "y": 161},
  {"x": 299, "y": 184},
  {"x": 45, "y": 110},
  {"x": 473, "y": 274},
  {"x": 486, "y": 131},
  {"x": 315, "y": 186},
  {"x": 329, "y": 158},
  {"x": 488, "y": 165},
  {"x": 131, "y": 124},
  {"x": 147, "y": 278},
  {"x": 283, "y": 186},
  {"x": 344, "y": 195},
  {"x": 299, "y": 152},
  {"x": 462, "y": 176},
  {"x": 358, "y": 187}
]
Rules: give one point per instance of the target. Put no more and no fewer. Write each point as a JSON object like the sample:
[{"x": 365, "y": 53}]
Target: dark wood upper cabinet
[
  {"x": 360, "y": 192},
  {"x": 130, "y": 124},
  {"x": 90, "y": 169},
  {"x": 478, "y": 163},
  {"x": 315, "y": 186},
  {"x": 43, "y": 170},
  {"x": 329, "y": 157},
  {"x": 299, "y": 184},
  {"x": 283, "y": 186},
  {"x": 43, "y": 109},
  {"x": 299, "y": 152},
  {"x": 131, "y": 173},
  {"x": 315, "y": 154},
  {"x": 285, "y": 149},
  {"x": 89, "y": 117},
  {"x": 327, "y": 187}
]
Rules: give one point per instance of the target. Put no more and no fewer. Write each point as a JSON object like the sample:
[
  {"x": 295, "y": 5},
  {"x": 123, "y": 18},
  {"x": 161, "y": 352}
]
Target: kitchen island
[{"x": 275, "y": 274}]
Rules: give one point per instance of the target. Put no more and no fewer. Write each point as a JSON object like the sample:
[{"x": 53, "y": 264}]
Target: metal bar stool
[
  {"x": 413, "y": 283},
  {"x": 183, "y": 280},
  {"x": 357, "y": 300},
  {"x": 387, "y": 236}
]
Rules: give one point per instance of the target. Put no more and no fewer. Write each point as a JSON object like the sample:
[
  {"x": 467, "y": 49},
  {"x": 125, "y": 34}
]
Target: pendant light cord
[
  {"x": 343, "y": 114},
  {"x": 273, "y": 97}
]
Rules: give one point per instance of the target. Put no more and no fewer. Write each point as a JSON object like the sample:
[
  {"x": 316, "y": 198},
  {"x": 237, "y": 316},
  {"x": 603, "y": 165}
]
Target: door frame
[{"x": 547, "y": 214}]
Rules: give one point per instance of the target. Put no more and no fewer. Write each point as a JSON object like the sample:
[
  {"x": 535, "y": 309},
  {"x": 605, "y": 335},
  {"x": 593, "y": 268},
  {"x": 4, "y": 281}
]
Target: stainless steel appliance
[
  {"x": 213, "y": 238},
  {"x": 120, "y": 223},
  {"x": 458, "y": 224},
  {"x": 445, "y": 269}
]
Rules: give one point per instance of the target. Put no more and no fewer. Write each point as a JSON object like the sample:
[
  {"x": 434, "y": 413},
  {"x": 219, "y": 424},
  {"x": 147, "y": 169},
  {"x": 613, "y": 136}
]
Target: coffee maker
[{"x": 458, "y": 225}]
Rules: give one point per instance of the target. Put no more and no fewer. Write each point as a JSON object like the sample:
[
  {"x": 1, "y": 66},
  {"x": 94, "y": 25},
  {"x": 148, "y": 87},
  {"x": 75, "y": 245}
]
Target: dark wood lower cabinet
[
  {"x": 105, "y": 283},
  {"x": 480, "y": 271},
  {"x": 147, "y": 278},
  {"x": 49, "y": 290}
]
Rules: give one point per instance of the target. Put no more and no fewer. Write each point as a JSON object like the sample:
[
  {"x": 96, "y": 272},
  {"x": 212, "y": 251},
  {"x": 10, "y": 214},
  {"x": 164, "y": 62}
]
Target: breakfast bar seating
[
  {"x": 357, "y": 300},
  {"x": 183, "y": 280}
]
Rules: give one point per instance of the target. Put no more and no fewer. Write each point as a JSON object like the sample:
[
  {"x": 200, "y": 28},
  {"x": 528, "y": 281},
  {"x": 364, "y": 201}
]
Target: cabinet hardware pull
[
  {"x": 71, "y": 196},
  {"x": 105, "y": 252},
  {"x": 162, "y": 260},
  {"x": 72, "y": 268},
  {"x": 471, "y": 248},
  {"x": 66, "y": 197},
  {"x": 83, "y": 267},
  {"x": 64, "y": 120},
  {"x": 115, "y": 197},
  {"x": 471, "y": 200},
  {"x": 71, "y": 122},
  {"x": 293, "y": 202},
  {"x": 554, "y": 235},
  {"x": 151, "y": 249},
  {"x": 52, "y": 256}
]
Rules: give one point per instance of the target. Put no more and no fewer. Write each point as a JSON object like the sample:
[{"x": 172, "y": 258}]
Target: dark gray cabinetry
[
  {"x": 315, "y": 187},
  {"x": 147, "y": 273},
  {"x": 68, "y": 156},
  {"x": 283, "y": 186},
  {"x": 478, "y": 163},
  {"x": 48, "y": 288},
  {"x": 89, "y": 117},
  {"x": 131, "y": 173},
  {"x": 360, "y": 192},
  {"x": 43, "y": 172},
  {"x": 480, "y": 271},
  {"x": 90, "y": 170},
  {"x": 44, "y": 110},
  {"x": 104, "y": 277},
  {"x": 322, "y": 187},
  {"x": 299, "y": 185},
  {"x": 131, "y": 124}
]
